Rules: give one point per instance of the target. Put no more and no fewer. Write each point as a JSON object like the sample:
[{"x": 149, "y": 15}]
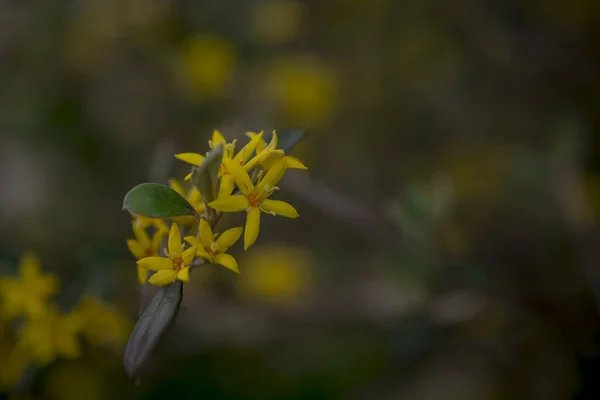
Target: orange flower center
[
  {"x": 254, "y": 200},
  {"x": 178, "y": 263}
]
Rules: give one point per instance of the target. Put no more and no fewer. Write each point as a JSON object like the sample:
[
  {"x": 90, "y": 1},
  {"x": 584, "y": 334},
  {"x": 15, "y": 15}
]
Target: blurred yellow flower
[
  {"x": 145, "y": 222},
  {"x": 28, "y": 294},
  {"x": 193, "y": 196},
  {"x": 214, "y": 251},
  {"x": 50, "y": 336},
  {"x": 142, "y": 246},
  {"x": 207, "y": 64},
  {"x": 175, "y": 266},
  {"x": 276, "y": 22},
  {"x": 102, "y": 324},
  {"x": 305, "y": 89},
  {"x": 254, "y": 199},
  {"x": 276, "y": 273}
]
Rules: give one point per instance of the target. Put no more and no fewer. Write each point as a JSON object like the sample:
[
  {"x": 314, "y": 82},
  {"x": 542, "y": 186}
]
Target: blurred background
[{"x": 448, "y": 245}]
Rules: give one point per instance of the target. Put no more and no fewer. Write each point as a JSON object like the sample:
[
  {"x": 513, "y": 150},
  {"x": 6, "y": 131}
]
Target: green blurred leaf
[
  {"x": 205, "y": 177},
  {"x": 153, "y": 323},
  {"x": 156, "y": 201}
]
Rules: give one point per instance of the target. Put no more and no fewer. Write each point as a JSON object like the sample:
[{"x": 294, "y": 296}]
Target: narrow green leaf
[
  {"x": 156, "y": 201},
  {"x": 153, "y": 323},
  {"x": 287, "y": 139},
  {"x": 205, "y": 177}
]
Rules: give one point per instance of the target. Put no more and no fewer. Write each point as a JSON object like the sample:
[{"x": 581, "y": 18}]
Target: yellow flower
[
  {"x": 142, "y": 247},
  {"x": 102, "y": 324},
  {"x": 175, "y": 266},
  {"x": 50, "y": 335},
  {"x": 213, "y": 251},
  {"x": 27, "y": 295},
  {"x": 208, "y": 63},
  {"x": 276, "y": 273},
  {"x": 193, "y": 196},
  {"x": 145, "y": 222},
  {"x": 254, "y": 199},
  {"x": 304, "y": 88},
  {"x": 242, "y": 156}
]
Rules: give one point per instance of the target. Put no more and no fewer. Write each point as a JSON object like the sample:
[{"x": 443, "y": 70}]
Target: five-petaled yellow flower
[
  {"x": 175, "y": 266},
  {"x": 142, "y": 246},
  {"x": 27, "y": 295},
  {"x": 214, "y": 251},
  {"x": 51, "y": 335},
  {"x": 254, "y": 199},
  {"x": 242, "y": 157}
]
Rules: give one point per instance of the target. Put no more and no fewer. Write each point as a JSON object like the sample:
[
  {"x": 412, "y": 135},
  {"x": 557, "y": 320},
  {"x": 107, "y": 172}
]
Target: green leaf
[
  {"x": 205, "y": 177},
  {"x": 156, "y": 201},
  {"x": 153, "y": 323},
  {"x": 287, "y": 139}
]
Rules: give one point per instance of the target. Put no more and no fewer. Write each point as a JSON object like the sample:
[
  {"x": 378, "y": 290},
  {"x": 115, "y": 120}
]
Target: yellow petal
[
  {"x": 190, "y": 158},
  {"x": 241, "y": 177},
  {"x": 227, "y": 261},
  {"x": 280, "y": 208},
  {"x": 184, "y": 274},
  {"x": 193, "y": 241},
  {"x": 163, "y": 277},
  {"x": 136, "y": 249},
  {"x": 217, "y": 138},
  {"x": 261, "y": 143},
  {"x": 270, "y": 179},
  {"x": 226, "y": 186},
  {"x": 228, "y": 238},
  {"x": 174, "y": 240},
  {"x": 155, "y": 263},
  {"x": 246, "y": 152},
  {"x": 194, "y": 197},
  {"x": 188, "y": 176},
  {"x": 188, "y": 255},
  {"x": 160, "y": 225},
  {"x": 294, "y": 163},
  {"x": 230, "y": 203},
  {"x": 157, "y": 241},
  {"x": 271, "y": 158},
  {"x": 141, "y": 235},
  {"x": 252, "y": 227},
  {"x": 200, "y": 251},
  {"x": 142, "y": 274},
  {"x": 205, "y": 233},
  {"x": 176, "y": 186}
]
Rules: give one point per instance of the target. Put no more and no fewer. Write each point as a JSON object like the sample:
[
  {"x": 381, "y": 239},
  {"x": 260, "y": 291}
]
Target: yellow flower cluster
[
  {"x": 246, "y": 180},
  {"x": 43, "y": 333}
]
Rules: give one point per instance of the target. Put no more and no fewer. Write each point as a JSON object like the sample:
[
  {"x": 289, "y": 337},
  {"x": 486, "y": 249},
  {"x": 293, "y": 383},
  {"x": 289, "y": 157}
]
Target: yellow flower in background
[
  {"x": 142, "y": 246},
  {"x": 242, "y": 156},
  {"x": 254, "y": 199},
  {"x": 50, "y": 336},
  {"x": 193, "y": 196},
  {"x": 304, "y": 87},
  {"x": 102, "y": 324},
  {"x": 146, "y": 222},
  {"x": 277, "y": 22},
  {"x": 276, "y": 273},
  {"x": 29, "y": 293},
  {"x": 214, "y": 251},
  {"x": 207, "y": 64},
  {"x": 175, "y": 266}
]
